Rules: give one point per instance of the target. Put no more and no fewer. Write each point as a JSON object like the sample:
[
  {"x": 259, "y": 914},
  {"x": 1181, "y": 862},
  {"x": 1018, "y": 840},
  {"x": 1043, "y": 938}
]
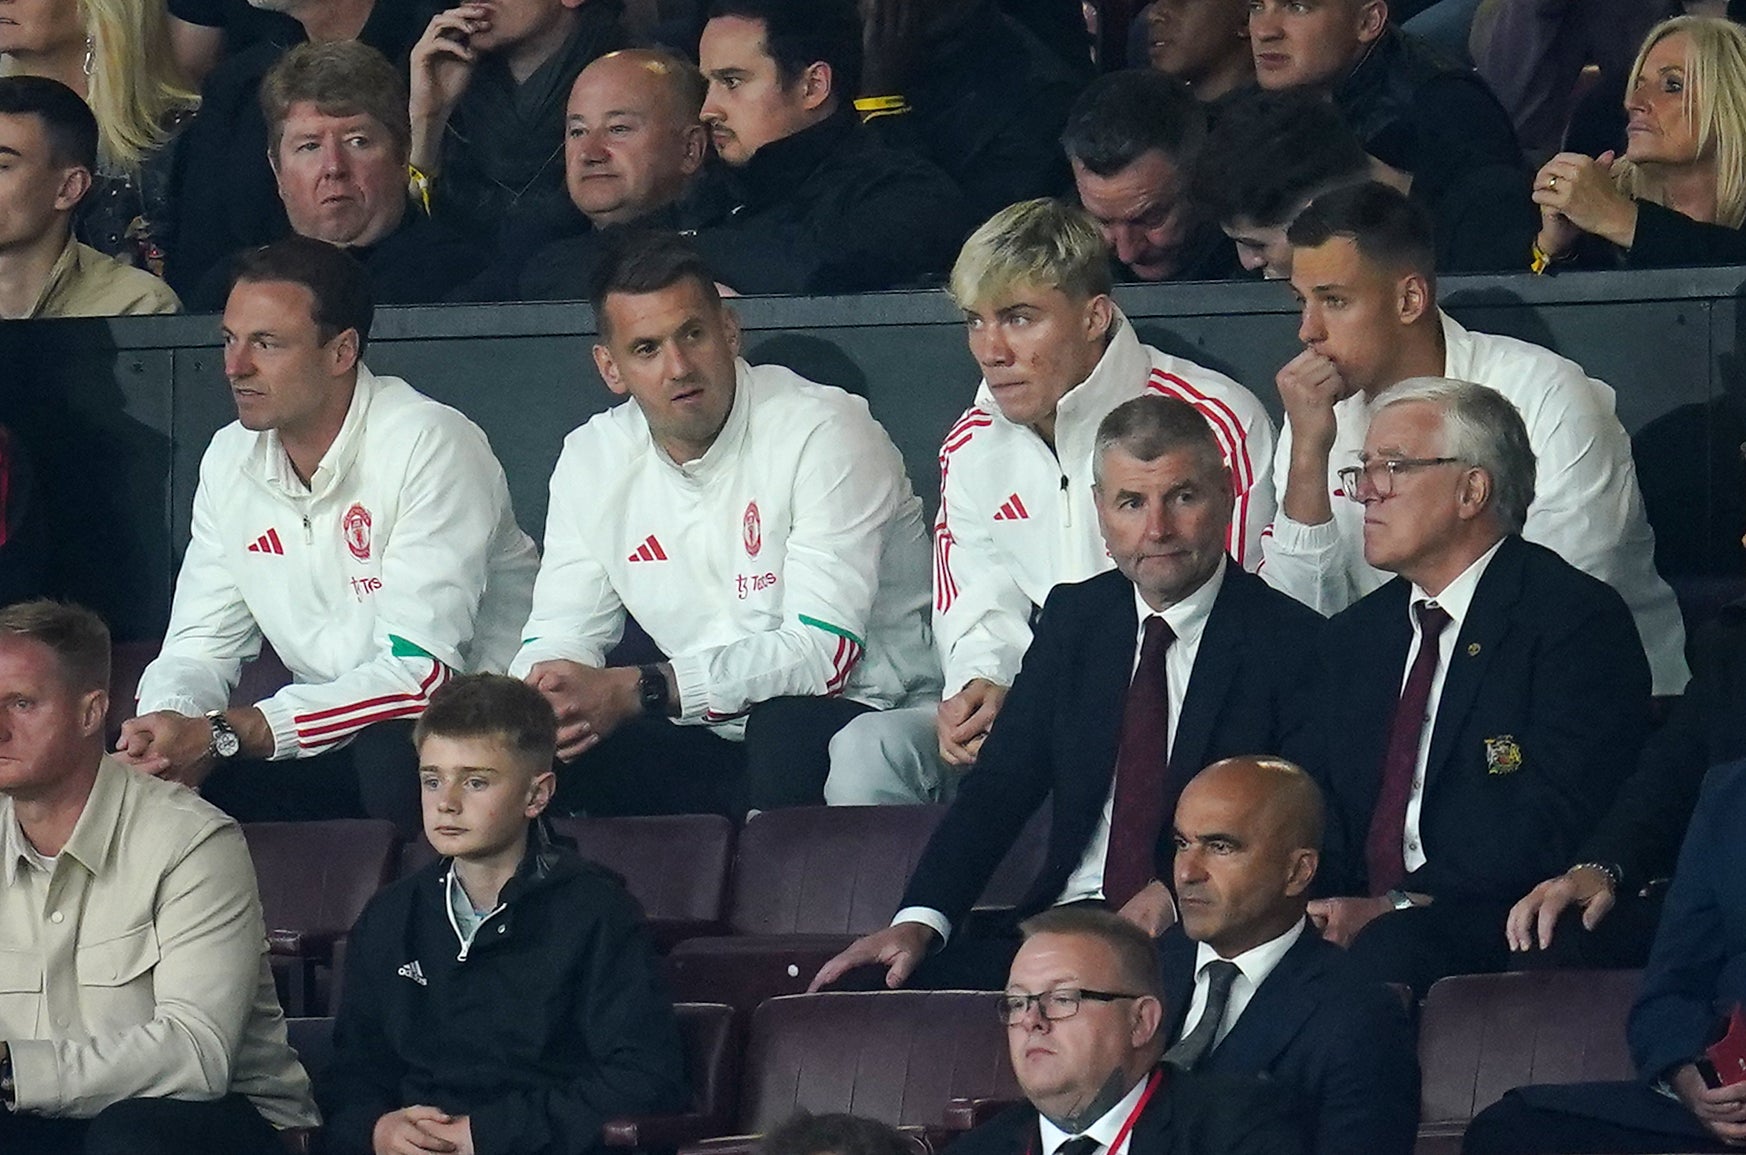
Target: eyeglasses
[
  {"x": 1060, "y": 1003},
  {"x": 1381, "y": 474}
]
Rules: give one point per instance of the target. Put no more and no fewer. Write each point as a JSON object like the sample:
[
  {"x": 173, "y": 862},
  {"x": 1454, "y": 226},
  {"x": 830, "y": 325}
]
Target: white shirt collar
[
  {"x": 1257, "y": 962},
  {"x": 1457, "y": 596},
  {"x": 1187, "y": 618},
  {"x": 1106, "y": 1127}
]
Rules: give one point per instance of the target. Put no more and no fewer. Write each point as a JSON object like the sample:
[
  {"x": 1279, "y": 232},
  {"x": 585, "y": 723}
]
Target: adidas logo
[
  {"x": 1012, "y": 509},
  {"x": 650, "y": 550},
  {"x": 414, "y": 972},
  {"x": 267, "y": 543}
]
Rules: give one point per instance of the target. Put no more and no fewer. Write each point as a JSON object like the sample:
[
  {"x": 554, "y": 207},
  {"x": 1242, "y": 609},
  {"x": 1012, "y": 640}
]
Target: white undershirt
[{"x": 1253, "y": 965}]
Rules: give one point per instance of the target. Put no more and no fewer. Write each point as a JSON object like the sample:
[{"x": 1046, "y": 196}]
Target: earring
[{"x": 90, "y": 52}]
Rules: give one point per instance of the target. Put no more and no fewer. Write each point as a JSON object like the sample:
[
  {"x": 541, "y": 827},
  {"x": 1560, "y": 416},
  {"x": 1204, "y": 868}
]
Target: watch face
[{"x": 228, "y": 744}]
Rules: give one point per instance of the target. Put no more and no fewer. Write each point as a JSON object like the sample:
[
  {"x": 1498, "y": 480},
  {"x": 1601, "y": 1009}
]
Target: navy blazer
[
  {"x": 1191, "y": 1114},
  {"x": 1542, "y": 713},
  {"x": 1341, "y": 1046},
  {"x": 1057, "y": 733}
]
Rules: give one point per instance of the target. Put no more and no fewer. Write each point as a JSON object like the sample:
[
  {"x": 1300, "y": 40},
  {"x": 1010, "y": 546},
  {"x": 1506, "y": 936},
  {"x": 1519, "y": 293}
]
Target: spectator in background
[
  {"x": 48, "y": 138},
  {"x": 489, "y": 85},
  {"x": 971, "y": 89},
  {"x": 204, "y": 32},
  {"x": 1274, "y": 152},
  {"x": 632, "y": 145},
  {"x": 146, "y": 1020},
  {"x": 759, "y": 526},
  {"x": 116, "y": 55},
  {"x": 226, "y": 194},
  {"x": 1202, "y": 43},
  {"x": 1678, "y": 194},
  {"x": 505, "y": 998},
  {"x": 336, "y": 123},
  {"x": 1362, "y": 268},
  {"x": 361, "y": 529},
  {"x": 1133, "y": 140},
  {"x": 808, "y": 200},
  {"x": 1412, "y": 109}
]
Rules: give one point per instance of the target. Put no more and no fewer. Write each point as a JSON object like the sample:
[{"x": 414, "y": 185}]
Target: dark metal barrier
[{"x": 112, "y": 416}]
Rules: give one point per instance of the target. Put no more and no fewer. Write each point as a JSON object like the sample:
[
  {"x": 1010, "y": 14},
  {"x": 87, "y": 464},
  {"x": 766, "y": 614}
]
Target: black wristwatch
[
  {"x": 652, "y": 691},
  {"x": 225, "y": 743},
  {"x": 8, "y": 1088}
]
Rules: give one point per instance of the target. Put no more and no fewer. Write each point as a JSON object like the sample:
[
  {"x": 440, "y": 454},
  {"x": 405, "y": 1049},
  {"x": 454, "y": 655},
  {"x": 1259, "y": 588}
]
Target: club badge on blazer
[{"x": 1502, "y": 755}]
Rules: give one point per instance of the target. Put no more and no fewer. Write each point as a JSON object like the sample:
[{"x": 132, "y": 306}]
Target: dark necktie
[
  {"x": 1142, "y": 761},
  {"x": 1384, "y": 855},
  {"x": 1078, "y": 1145},
  {"x": 1192, "y": 1047}
]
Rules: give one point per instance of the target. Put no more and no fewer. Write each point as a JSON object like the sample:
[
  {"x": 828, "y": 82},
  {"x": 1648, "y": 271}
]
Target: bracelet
[
  {"x": 1615, "y": 877},
  {"x": 1541, "y": 262},
  {"x": 873, "y": 107},
  {"x": 418, "y": 185}
]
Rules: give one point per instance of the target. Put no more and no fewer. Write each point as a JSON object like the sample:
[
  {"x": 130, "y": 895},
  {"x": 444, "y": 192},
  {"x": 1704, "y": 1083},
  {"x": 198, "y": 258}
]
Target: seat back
[
  {"x": 675, "y": 865},
  {"x": 712, "y": 1058},
  {"x": 312, "y": 1039},
  {"x": 315, "y": 877},
  {"x": 897, "y": 1056},
  {"x": 1482, "y": 1035}
]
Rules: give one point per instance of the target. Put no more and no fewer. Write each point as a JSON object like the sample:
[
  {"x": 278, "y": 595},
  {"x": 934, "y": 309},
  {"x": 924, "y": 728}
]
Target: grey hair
[
  {"x": 1151, "y": 425},
  {"x": 1481, "y": 428}
]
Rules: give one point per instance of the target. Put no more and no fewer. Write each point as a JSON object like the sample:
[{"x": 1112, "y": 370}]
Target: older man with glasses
[
  {"x": 1085, "y": 1024},
  {"x": 1491, "y": 698}
]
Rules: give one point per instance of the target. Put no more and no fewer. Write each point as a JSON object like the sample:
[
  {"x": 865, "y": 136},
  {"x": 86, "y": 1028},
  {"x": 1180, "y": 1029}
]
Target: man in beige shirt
[
  {"x": 137, "y": 1010},
  {"x": 48, "y": 151}
]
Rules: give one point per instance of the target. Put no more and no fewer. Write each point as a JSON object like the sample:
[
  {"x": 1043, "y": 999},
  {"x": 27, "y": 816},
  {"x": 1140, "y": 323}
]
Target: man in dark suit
[
  {"x": 1222, "y": 668},
  {"x": 1490, "y": 700},
  {"x": 1251, "y": 990},
  {"x": 1696, "y": 975},
  {"x": 1083, "y": 1022}
]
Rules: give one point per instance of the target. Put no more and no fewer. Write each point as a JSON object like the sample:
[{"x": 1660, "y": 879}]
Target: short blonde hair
[
  {"x": 1040, "y": 243},
  {"x": 136, "y": 87},
  {"x": 1715, "y": 99}
]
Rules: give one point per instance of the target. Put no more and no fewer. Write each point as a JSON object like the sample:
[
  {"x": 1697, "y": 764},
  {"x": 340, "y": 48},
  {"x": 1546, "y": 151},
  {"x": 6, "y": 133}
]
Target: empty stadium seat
[
  {"x": 315, "y": 878},
  {"x": 1482, "y": 1035},
  {"x": 712, "y": 1056},
  {"x": 807, "y": 882},
  {"x": 896, "y": 1056},
  {"x": 675, "y": 865}
]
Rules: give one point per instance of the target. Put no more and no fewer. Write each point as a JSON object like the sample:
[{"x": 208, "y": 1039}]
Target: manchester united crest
[
  {"x": 752, "y": 530},
  {"x": 356, "y": 527},
  {"x": 1502, "y": 755}
]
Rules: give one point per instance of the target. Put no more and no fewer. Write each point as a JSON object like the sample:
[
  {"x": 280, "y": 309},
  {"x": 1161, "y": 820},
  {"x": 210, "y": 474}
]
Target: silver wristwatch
[{"x": 225, "y": 743}]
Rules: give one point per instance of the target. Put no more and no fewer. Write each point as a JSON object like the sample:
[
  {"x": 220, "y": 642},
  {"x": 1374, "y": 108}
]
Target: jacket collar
[
  {"x": 725, "y": 449},
  {"x": 1119, "y": 374},
  {"x": 93, "y": 837},
  {"x": 781, "y": 166},
  {"x": 271, "y": 464}
]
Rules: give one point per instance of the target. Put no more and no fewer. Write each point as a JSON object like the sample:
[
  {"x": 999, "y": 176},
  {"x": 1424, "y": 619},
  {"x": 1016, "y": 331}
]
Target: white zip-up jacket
[
  {"x": 1586, "y": 507},
  {"x": 1016, "y": 519},
  {"x": 790, "y": 559},
  {"x": 397, "y": 566}
]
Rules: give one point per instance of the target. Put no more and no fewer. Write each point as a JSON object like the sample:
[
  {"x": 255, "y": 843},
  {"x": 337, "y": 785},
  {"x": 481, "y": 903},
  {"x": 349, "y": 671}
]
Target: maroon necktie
[
  {"x": 1383, "y": 852},
  {"x": 1142, "y": 762}
]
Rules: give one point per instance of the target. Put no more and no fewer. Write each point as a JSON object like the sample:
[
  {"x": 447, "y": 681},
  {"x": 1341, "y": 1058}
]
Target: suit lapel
[
  {"x": 1482, "y": 634},
  {"x": 1177, "y": 953},
  {"x": 1275, "y": 1015},
  {"x": 1094, "y": 709},
  {"x": 1362, "y": 742},
  {"x": 1215, "y": 667}
]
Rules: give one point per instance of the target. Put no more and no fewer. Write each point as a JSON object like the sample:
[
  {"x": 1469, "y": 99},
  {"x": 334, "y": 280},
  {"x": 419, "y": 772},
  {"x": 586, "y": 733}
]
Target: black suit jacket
[
  {"x": 1340, "y": 1047},
  {"x": 1541, "y": 716},
  {"x": 1192, "y": 1114},
  {"x": 1057, "y": 733}
]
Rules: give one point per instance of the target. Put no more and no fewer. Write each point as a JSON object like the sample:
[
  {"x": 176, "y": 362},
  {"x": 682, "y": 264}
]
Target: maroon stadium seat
[
  {"x": 807, "y": 882},
  {"x": 896, "y": 1056},
  {"x": 315, "y": 878},
  {"x": 1482, "y": 1035},
  {"x": 712, "y": 1055}
]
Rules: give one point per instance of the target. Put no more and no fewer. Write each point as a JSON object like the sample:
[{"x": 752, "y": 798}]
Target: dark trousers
[
  {"x": 1419, "y": 946},
  {"x": 227, "y": 1126},
  {"x": 1516, "y": 1126},
  {"x": 653, "y": 766},
  {"x": 375, "y": 775}
]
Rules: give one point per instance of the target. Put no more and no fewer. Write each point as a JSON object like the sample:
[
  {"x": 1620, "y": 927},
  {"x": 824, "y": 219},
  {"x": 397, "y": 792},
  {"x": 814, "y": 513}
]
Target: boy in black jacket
[{"x": 505, "y": 999}]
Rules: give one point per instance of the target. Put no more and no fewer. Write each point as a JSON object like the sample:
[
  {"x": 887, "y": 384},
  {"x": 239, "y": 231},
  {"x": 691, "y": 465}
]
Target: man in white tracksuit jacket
[
  {"x": 1016, "y": 510},
  {"x": 758, "y": 526},
  {"x": 362, "y": 529},
  {"x": 1362, "y": 266}
]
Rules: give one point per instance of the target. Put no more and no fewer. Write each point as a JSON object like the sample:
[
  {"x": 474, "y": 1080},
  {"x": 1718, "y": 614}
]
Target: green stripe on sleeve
[
  {"x": 401, "y": 648},
  {"x": 830, "y": 629}
]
